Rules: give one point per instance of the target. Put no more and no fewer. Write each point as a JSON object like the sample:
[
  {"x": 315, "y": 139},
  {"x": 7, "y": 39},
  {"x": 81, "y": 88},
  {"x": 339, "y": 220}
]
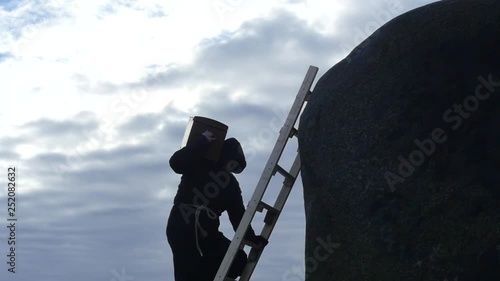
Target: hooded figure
[
  {"x": 232, "y": 158},
  {"x": 205, "y": 191}
]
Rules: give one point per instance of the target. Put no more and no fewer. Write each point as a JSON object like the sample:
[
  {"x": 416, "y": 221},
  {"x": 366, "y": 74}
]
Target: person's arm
[
  {"x": 190, "y": 156},
  {"x": 236, "y": 210}
]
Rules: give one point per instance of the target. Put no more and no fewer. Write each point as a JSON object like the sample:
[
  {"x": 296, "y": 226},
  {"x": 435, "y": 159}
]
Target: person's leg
[
  {"x": 239, "y": 263},
  {"x": 182, "y": 241},
  {"x": 209, "y": 265},
  {"x": 214, "y": 250},
  {"x": 185, "y": 267}
]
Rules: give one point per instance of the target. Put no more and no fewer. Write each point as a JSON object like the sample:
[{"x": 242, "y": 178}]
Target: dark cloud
[
  {"x": 10, "y": 143},
  {"x": 172, "y": 133},
  {"x": 172, "y": 77},
  {"x": 124, "y": 165},
  {"x": 265, "y": 56},
  {"x": 128, "y": 169},
  {"x": 54, "y": 128},
  {"x": 265, "y": 52},
  {"x": 264, "y": 49},
  {"x": 161, "y": 128},
  {"x": 265, "y": 46},
  {"x": 105, "y": 210},
  {"x": 107, "y": 204},
  {"x": 144, "y": 123},
  {"x": 362, "y": 19},
  {"x": 90, "y": 236},
  {"x": 254, "y": 123},
  {"x": 9, "y": 155}
]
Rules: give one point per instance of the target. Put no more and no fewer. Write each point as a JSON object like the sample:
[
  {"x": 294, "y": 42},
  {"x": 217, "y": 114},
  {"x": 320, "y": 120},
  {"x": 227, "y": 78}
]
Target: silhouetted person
[{"x": 206, "y": 190}]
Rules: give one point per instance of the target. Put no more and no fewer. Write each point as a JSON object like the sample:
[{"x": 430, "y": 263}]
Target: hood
[{"x": 232, "y": 156}]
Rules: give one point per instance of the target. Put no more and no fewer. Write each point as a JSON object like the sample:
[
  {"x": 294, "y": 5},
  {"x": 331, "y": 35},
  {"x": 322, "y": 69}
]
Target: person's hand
[
  {"x": 209, "y": 135},
  {"x": 259, "y": 240}
]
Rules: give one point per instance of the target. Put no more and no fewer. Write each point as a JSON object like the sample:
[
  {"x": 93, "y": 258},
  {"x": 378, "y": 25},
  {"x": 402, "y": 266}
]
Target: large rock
[{"x": 400, "y": 145}]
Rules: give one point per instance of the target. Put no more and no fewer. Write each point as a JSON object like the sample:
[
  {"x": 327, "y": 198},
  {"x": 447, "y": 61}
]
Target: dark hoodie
[
  {"x": 232, "y": 157},
  {"x": 205, "y": 183},
  {"x": 213, "y": 186}
]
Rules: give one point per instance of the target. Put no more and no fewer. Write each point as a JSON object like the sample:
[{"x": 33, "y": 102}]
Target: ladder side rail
[
  {"x": 268, "y": 228},
  {"x": 267, "y": 174},
  {"x": 252, "y": 205},
  {"x": 283, "y": 137},
  {"x": 301, "y": 97},
  {"x": 248, "y": 215}
]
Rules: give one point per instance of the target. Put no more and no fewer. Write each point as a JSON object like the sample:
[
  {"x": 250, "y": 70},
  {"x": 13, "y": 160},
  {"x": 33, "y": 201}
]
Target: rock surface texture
[{"x": 400, "y": 147}]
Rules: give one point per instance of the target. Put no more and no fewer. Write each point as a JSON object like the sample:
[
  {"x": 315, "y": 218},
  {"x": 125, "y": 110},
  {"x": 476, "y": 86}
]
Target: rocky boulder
[{"x": 400, "y": 149}]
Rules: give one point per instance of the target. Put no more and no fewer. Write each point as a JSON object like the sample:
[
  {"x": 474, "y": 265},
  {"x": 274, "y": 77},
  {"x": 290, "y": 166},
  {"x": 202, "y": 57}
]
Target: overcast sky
[{"x": 96, "y": 96}]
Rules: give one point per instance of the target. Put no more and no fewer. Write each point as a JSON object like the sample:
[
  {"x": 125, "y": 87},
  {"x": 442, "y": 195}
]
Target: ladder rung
[
  {"x": 283, "y": 172},
  {"x": 253, "y": 256},
  {"x": 293, "y": 132},
  {"x": 289, "y": 179},
  {"x": 266, "y": 206},
  {"x": 251, "y": 244},
  {"x": 271, "y": 214}
]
